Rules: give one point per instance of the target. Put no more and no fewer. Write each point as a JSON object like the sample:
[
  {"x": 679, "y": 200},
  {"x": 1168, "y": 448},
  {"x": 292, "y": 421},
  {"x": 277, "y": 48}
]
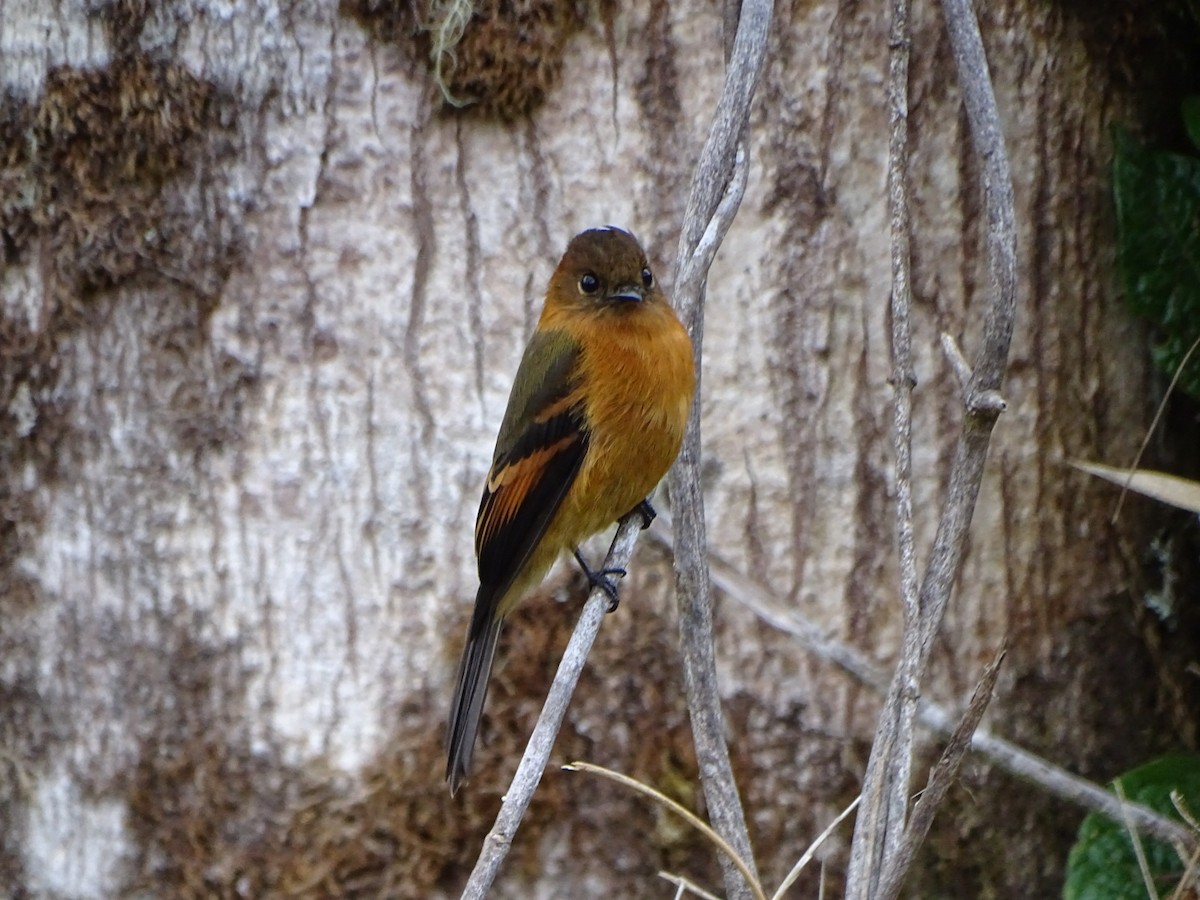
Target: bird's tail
[{"x": 474, "y": 672}]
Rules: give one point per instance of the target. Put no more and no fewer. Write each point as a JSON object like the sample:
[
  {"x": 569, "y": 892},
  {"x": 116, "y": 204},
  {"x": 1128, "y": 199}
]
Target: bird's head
[{"x": 605, "y": 268}]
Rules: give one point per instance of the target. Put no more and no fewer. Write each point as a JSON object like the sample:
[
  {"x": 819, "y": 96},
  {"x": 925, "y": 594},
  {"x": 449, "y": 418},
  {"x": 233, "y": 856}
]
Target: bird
[{"x": 595, "y": 418}]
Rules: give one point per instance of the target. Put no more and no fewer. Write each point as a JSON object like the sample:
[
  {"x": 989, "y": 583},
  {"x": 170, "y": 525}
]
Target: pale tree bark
[{"x": 261, "y": 300}]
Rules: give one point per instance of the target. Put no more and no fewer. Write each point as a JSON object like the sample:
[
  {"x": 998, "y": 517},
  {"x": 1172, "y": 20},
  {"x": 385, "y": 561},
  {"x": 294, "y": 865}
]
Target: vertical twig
[
  {"x": 880, "y": 821},
  {"x": 877, "y": 832},
  {"x": 717, "y": 176},
  {"x": 983, "y": 401}
]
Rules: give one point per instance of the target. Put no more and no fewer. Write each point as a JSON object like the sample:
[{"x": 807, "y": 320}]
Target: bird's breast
[{"x": 640, "y": 377}]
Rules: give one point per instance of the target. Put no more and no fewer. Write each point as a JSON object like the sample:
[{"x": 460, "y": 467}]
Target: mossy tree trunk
[{"x": 262, "y": 296}]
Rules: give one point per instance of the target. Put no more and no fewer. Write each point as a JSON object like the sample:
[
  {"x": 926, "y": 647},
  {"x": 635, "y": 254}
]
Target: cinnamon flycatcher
[{"x": 595, "y": 418}]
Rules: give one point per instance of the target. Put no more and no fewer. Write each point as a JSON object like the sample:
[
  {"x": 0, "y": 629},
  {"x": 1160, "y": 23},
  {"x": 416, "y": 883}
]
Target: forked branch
[{"x": 884, "y": 811}]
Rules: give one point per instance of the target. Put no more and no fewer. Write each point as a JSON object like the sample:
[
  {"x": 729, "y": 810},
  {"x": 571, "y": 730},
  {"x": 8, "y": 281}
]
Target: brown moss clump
[
  {"x": 106, "y": 165},
  {"x": 510, "y": 54},
  {"x": 499, "y": 58},
  {"x": 109, "y": 174},
  {"x": 386, "y": 21},
  {"x": 17, "y": 186},
  {"x": 107, "y": 143},
  {"x": 207, "y": 812},
  {"x": 125, "y": 20},
  {"x": 101, "y": 171}
]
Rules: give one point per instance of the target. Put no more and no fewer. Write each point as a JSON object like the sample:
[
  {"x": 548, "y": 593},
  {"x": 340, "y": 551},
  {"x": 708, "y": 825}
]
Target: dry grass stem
[
  {"x": 683, "y": 812},
  {"x": 1136, "y": 840},
  {"x": 684, "y": 886},
  {"x": 1154, "y": 423},
  {"x": 812, "y": 850}
]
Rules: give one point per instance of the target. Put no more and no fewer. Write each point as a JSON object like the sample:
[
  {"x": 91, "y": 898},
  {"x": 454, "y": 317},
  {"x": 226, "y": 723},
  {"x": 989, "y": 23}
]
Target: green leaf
[
  {"x": 1158, "y": 247},
  {"x": 1102, "y": 864},
  {"x": 1191, "y": 118}
]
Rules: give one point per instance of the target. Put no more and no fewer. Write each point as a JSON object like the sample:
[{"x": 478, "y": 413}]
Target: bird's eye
[
  {"x": 589, "y": 283},
  {"x": 647, "y": 279}
]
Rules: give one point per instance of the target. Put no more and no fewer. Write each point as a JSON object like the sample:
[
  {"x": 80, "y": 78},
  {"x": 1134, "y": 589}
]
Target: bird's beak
[{"x": 627, "y": 292}]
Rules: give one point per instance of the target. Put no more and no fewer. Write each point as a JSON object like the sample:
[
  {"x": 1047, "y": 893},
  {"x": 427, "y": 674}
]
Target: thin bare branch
[
  {"x": 712, "y": 203},
  {"x": 940, "y": 779},
  {"x": 690, "y": 280},
  {"x": 983, "y": 401},
  {"x": 886, "y": 783},
  {"x": 903, "y": 377},
  {"x": 714, "y": 171},
  {"x": 537, "y": 751},
  {"x": 958, "y": 362},
  {"x": 878, "y": 827},
  {"x": 1002, "y": 753}
]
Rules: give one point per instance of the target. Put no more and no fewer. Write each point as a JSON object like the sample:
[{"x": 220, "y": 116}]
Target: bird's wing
[{"x": 541, "y": 446}]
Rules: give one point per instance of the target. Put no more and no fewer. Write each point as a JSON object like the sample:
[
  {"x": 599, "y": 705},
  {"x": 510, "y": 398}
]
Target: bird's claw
[
  {"x": 648, "y": 513},
  {"x": 600, "y": 580}
]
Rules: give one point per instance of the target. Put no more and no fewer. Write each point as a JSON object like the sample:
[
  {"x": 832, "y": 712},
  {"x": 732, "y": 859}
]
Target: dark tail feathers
[{"x": 474, "y": 672}]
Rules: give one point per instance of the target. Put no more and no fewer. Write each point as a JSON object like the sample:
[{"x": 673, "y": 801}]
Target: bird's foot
[
  {"x": 648, "y": 513},
  {"x": 600, "y": 580}
]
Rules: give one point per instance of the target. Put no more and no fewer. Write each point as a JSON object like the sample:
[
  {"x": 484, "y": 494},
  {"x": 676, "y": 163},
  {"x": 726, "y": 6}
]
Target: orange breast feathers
[{"x": 637, "y": 378}]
